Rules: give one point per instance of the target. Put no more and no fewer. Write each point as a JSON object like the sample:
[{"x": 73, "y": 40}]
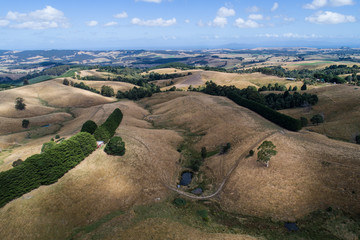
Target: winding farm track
[{"x": 228, "y": 175}]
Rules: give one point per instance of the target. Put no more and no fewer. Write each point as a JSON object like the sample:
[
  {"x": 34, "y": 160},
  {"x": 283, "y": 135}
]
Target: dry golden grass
[
  {"x": 170, "y": 70},
  {"x": 299, "y": 179},
  {"x": 241, "y": 81},
  {"x": 309, "y": 172},
  {"x": 313, "y": 65},
  {"x": 100, "y": 184},
  {"x": 164, "y": 229},
  {"x": 122, "y": 86},
  {"x": 93, "y": 72},
  {"x": 340, "y": 105}
]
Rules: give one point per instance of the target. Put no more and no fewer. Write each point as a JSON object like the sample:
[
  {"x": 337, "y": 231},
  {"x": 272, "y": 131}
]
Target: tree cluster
[
  {"x": 250, "y": 99},
  {"x": 45, "y": 168},
  {"x": 89, "y": 126},
  {"x": 107, "y": 91},
  {"x": 287, "y": 100},
  {"x": 116, "y": 146},
  {"x": 85, "y": 87},
  {"x": 266, "y": 151},
  {"x": 107, "y": 130},
  {"x": 138, "y": 93}
]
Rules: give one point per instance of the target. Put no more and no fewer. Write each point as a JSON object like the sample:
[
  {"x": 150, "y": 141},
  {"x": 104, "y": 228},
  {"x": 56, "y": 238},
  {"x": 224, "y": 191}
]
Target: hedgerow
[{"x": 45, "y": 168}]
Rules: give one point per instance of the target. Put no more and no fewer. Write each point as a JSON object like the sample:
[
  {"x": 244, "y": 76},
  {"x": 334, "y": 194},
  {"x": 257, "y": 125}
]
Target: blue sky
[{"x": 181, "y": 24}]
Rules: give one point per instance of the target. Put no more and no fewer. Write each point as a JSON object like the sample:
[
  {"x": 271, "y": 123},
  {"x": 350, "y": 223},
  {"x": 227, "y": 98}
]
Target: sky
[{"x": 177, "y": 24}]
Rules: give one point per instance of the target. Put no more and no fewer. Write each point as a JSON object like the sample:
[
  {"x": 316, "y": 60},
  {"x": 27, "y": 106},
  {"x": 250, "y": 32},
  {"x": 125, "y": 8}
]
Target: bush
[
  {"x": 316, "y": 119},
  {"x": 203, "y": 152},
  {"x": 304, "y": 121},
  {"x": 116, "y": 146},
  {"x": 45, "y": 168},
  {"x": 57, "y": 136},
  {"x": 180, "y": 202},
  {"x": 226, "y": 148},
  {"x": 102, "y": 134},
  {"x": 251, "y": 153},
  {"x": 107, "y": 91},
  {"x": 17, "y": 163},
  {"x": 46, "y": 146},
  {"x": 89, "y": 126},
  {"x": 25, "y": 123},
  {"x": 204, "y": 215},
  {"x": 357, "y": 139},
  {"x": 66, "y": 82},
  {"x": 19, "y": 104}
]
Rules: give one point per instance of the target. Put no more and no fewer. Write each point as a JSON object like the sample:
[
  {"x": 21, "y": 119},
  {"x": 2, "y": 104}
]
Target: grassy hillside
[
  {"x": 107, "y": 197},
  {"x": 340, "y": 107}
]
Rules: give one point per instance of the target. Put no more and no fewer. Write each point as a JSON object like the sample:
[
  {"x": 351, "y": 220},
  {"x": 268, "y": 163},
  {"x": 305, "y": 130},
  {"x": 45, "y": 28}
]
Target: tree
[
  {"x": 48, "y": 145},
  {"x": 17, "y": 163},
  {"x": 25, "y": 123},
  {"x": 357, "y": 139},
  {"x": 25, "y": 82},
  {"x": 303, "y": 87},
  {"x": 19, "y": 104},
  {"x": 116, "y": 146},
  {"x": 107, "y": 91},
  {"x": 66, "y": 82},
  {"x": 295, "y": 88},
  {"x": 89, "y": 126},
  {"x": 316, "y": 119},
  {"x": 266, "y": 151},
  {"x": 203, "y": 152},
  {"x": 304, "y": 121}
]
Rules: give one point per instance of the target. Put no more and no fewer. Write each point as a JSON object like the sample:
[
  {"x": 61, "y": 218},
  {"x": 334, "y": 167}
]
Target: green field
[
  {"x": 40, "y": 79},
  {"x": 311, "y": 64}
]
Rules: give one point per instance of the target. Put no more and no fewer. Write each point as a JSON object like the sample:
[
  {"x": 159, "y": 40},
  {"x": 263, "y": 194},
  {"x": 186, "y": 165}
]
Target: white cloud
[
  {"x": 275, "y": 6},
  {"x": 200, "y": 23},
  {"x": 219, "y": 22},
  {"x": 4, "y": 23},
  {"x": 322, "y": 3},
  {"x": 289, "y": 19},
  {"x": 295, "y": 35},
  {"x": 151, "y": 1},
  {"x": 187, "y": 21},
  {"x": 159, "y": 22},
  {"x": 339, "y": 3},
  {"x": 225, "y": 12},
  {"x": 121, "y": 15},
  {"x": 109, "y": 24},
  {"x": 92, "y": 23},
  {"x": 256, "y": 17},
  {"x": 47, "y": 17},
  {"x": 328, "y": 17},
  {"x": 221, "y": 17},
  {"x": 253, "y": 9},
  {"x": 241, "y": 23}
]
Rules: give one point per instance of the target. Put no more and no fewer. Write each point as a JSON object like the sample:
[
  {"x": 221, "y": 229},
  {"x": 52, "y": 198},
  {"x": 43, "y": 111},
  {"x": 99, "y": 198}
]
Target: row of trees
[
  {"x": 45, "y": 168},
  {"x": 246, "y": 98},
  {"x": 139, "y": 92}
]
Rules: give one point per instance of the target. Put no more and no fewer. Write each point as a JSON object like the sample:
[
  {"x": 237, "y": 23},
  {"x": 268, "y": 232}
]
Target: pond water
[{"x": 185, "y": 178}]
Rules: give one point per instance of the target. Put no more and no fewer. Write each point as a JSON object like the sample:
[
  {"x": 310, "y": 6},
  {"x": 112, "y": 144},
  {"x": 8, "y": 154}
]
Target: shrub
[
  {"x": 226, "y": 148},
  {"x": 48, "y": 145},
  {"x": 57, "y": 136},
  {"x": 102, "y": 134},
  {"x": 357, "y": 139},
  {"x": 89, "y": 126},
  {"x": 180, "y": 202},
  {"x": 17, "y": 163},
  {"x": 19, "y": 104},
  {"x": 203, "y": 152},
  {"x": 267, "y": 150},
  {"x": 107, "y": 91},
  {"x": 66, "y": 82},
  {"x": 304, "y": 121},
  {"x": 203, "y": 214},
  {"x": 316, "y": 119},
  {"x": 116, "y": 146},
  {"x": 25, "y": 123},
  {"x": 251, "y": 153}
]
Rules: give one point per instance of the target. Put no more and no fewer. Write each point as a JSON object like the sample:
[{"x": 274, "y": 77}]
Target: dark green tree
[
  {"x": 102, "y": 134},
  {"x": 304, "y": 121},
  {"x": 25, "y": 82},
  {"x": 116, "y": 146},
  {"x": 303, "y": 87},
  {"x": 357, "y": 139},
  {"x": 107, "y": 91},
  {"x": 295, "y": 89},
  {"x": 25, "y": 123},
  {"x": 316, "y": 119},
  {"x": 46, "y": 146},
  {"x": 66, "y": 82},
  {"x": 203, "y": 152},
  {"x": 266, "y": 151},
  {"x": 17, "y": 163},
  {"x": 89, "y": 126},
  {"x": 19, "y": 104}
]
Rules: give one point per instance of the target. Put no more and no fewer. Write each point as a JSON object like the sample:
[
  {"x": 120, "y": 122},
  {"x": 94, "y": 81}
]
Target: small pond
[{"x": 185, "y": 178}]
